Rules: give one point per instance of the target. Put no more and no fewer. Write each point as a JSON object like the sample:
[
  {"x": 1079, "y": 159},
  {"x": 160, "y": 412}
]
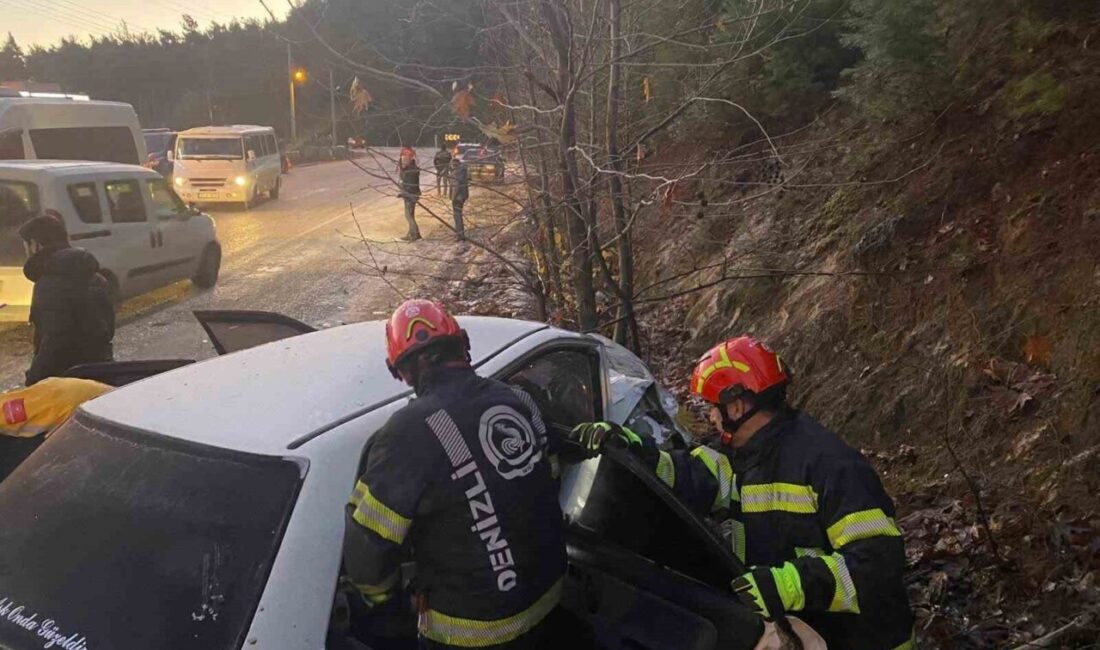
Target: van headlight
[
  {"x": 179, "y": 181},
  {"x": 241, "y": 181}
]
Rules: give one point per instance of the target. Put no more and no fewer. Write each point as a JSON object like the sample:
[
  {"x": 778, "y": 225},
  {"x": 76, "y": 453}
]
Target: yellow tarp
[{"x": 39, "y": 409}]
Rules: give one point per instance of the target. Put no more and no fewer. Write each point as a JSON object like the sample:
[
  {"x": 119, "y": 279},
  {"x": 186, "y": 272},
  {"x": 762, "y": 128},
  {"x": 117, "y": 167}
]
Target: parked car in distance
[
  {"x": 37, "y": 128},
  {"x": 485, "y": 164},
  {"x": 209, "y": 499},
  {"x": 227, "y": 164},
  {"x": 142, "y": 233}
]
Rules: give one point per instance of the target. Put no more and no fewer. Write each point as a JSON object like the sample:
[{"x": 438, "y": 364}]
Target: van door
[
  {"x": 19, "y": 201},
  {"x": 180, "y": 244},
  {"x": 134, "y": 240}
]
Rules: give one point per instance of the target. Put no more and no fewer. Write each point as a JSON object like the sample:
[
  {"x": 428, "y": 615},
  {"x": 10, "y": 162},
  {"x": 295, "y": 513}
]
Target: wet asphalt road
[{"x": 286, "y": 256}]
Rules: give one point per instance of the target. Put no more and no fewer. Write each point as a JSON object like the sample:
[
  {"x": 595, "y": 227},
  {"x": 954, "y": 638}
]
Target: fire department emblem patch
[{"x": 509, "y": 442}]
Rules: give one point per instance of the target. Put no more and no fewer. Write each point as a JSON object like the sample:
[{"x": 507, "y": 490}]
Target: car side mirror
[
  {"x": 171, "y": 155},
  {"x": 251, "y": 154}
]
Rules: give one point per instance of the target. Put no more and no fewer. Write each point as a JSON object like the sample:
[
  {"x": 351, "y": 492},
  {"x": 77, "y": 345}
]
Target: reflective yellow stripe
[
  {"x": 861, "y": 525},
  {"x": 911, "y": 644},
  {"x": 809, "y": 552},
  {"x": 423, "y": 321},
  {"x": 784, "y": 497},
  {"x": 845, "y": 598},
  {"x": 666, "y": 469},
  {"x": 374, "y": 515},
  {"x": 473, "y": 633},
  {"x": 719, "y": 465},
  {"x": 379, "y": 593},
  {"x": 724, "y": 362},
  {"x": 737, "y": 538}
]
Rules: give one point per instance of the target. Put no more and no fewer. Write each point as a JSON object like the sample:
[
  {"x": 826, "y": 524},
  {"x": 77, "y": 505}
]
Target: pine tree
[
  {"x": 902, "y": 71},
  {"x": 13, "y": 66}
]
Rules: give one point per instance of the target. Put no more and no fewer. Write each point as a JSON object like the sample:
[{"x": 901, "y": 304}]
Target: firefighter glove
[
  {"x": 771, "y": 590},
  {"x": 592, "y": 436}
]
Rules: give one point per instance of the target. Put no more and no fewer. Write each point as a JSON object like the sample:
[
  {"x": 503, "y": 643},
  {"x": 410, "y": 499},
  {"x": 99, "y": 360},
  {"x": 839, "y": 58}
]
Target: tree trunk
[
  {"x": 545, "y": 215},
  {"x": 625, "y": 321},
  {"x": 567, "y": 167}
]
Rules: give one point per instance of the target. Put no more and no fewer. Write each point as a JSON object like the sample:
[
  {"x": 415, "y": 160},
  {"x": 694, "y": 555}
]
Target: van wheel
[
  {"x": 274, "y": 193},
  {"x": 209, "y": 267}
]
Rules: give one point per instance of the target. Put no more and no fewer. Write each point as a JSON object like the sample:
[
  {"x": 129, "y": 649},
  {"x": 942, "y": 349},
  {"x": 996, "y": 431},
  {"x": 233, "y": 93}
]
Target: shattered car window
[
  {"x": 117, "y": 539},
  {"x": 638, "y": 400}
]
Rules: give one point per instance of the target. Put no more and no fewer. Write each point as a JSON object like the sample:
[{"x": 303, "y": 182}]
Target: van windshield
[
  {"x": 114, "y": 538},
  {"x": 223, "y": 148}
]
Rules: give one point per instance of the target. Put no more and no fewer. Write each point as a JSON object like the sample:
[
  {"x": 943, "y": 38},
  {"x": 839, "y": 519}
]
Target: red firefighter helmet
[
  {"x": 738, "y": 366},
  {"x": 417, "y": 324}
]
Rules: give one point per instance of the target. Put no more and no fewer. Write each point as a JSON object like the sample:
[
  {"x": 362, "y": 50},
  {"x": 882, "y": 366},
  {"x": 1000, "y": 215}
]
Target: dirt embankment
[{"x": 937, "y": 291}]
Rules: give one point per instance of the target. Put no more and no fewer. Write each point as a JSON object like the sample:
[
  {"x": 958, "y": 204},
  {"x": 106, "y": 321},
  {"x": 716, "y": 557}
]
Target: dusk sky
[{"x": 45, "y": 22}]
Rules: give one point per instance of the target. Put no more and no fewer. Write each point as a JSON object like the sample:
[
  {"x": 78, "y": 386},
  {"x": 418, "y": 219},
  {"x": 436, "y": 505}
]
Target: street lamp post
[
  {"x": 332, "y": 103},
  {"x": 293, "y": 105}
]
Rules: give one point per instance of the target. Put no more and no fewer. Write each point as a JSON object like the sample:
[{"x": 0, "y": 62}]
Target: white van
[
  {"x": 227, "y": 164},
  {"x": 35, "y": 128},
  {"x": 142, "y": 233}
]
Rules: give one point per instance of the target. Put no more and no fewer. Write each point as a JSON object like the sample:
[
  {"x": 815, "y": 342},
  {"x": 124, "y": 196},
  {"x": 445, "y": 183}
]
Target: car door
[
  {"x": 644, "y": 571},
  {"x": 133, "y": 237},
  {"x": 179, "y": 244},
  {"x": 235, "y": 330}
]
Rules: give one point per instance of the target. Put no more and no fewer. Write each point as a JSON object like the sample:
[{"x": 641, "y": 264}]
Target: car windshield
[
  {"x": 113, "y": 538},
  {"x": 228, "y": 148},
  {"x": 18, "y": 202}
]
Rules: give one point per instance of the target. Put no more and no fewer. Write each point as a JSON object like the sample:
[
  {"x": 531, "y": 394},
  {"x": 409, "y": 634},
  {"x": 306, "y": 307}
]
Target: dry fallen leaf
[
  {"x": 463, "y": 104},
  {"x": 1037, "y": 349},
  {"x": 360, "y": 96},
  {"x": 505, "y": 133},
  {"x": 647, "y": 89}
]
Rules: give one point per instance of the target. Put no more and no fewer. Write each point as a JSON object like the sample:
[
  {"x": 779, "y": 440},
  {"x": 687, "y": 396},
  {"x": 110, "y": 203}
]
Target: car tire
[
  {"x": 209, "y": 267},
  {"x": 274, "y": 193}
]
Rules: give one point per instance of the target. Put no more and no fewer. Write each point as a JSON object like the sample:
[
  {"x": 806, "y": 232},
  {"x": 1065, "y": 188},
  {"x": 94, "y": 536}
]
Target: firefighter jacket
[
  {"x": 797, "y": 493},
  {"x": 461, "y": 478}
]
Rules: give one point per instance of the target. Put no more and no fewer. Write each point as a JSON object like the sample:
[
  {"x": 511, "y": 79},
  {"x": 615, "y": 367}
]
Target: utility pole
[
  {"x": 293, "y": 107},
  {"x": 332, "y": 103}
]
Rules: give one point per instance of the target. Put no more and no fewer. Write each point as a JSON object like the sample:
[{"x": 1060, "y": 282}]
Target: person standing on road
[
  {"x": 461, "y": 194},
  {"x": 71, "y": 308},
  {"x": 461, "y": 478},
  {"x": 442, "y": 163},
  {"x": 410, "y": 191},
  {"x": 804, "y": 510}
]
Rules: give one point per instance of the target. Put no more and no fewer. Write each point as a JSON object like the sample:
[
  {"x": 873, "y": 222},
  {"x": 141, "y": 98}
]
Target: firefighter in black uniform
[
  {"x": 806, "y": 512},
  {"x": 461, "y": 478}
]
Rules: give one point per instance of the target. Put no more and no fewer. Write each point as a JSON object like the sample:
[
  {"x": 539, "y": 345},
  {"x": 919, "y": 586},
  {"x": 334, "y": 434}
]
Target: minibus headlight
[
  {"x": 241, "y": 181},
  {"x": 179, "y": 181}
]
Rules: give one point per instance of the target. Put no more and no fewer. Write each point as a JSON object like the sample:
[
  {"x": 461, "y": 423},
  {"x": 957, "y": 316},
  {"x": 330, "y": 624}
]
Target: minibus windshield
[{"x": 224, "y": 148}]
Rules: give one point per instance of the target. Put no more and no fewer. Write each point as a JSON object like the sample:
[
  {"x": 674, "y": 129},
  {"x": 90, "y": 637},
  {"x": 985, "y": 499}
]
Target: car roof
[
  {"x": 232, "y": 129},
  {"x": 264, "y": 399},
  {"x": 14, "y": 101},
  {"x": 67, "y": 167}
]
